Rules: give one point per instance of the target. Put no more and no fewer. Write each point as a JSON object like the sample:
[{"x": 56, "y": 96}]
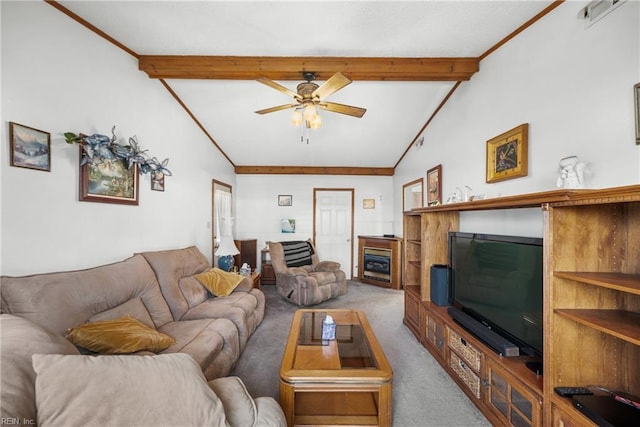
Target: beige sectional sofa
[{"x": 160, "y": 290}]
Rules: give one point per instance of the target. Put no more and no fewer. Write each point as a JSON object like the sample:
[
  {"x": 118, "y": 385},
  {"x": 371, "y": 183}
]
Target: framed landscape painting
[
  {"x": 109, "y": 182},
  {"x": 30, "y": 148}
]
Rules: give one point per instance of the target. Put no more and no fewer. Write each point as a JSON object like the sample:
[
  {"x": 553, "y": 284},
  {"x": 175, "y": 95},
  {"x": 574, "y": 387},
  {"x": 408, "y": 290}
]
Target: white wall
[
  {"x": 58, "y": 76},
  {"x": 259, "y": 214},
  {"x": 574, "y": 88}
]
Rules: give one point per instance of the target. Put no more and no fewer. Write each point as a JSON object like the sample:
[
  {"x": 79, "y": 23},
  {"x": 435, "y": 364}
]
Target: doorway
[
  {"x": 221, "y": 214},
  {"x": 333, "y": 225}
]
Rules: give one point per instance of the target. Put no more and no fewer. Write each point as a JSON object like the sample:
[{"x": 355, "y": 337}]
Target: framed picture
[
  {"x": 157, "y": 181},
  {"x": 636, "y": 99},
  {"x": 288, "y": 225},
  {"x": 507, "y": 154},
  {"x": 434, "y": 186},
  {"x": 368, "y": 203},
  {"x": 412, "y": 194},
  {"x": 109, "y": 182},
  {"x": 30, "y": 148},
  {"x": 285, "y": 200}
]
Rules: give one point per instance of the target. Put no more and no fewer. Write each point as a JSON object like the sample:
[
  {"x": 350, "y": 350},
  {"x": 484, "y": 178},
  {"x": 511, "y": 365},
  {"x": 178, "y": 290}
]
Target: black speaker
[{"x": 441, "y": 285}]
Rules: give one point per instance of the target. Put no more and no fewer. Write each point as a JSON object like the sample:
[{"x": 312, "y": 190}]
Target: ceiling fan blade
[
  {"x": 278, "y": 108},
  {"x": 278, "y": 86},
  {"x": 334, "y": 84},
  {"x": 343, "y": 109}
]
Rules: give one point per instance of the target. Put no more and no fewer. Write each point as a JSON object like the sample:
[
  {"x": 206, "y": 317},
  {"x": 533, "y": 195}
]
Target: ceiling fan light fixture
[
  {"x": 316, "y": 122},
  {"x": 310, "y": 96},
  {"x": 296, "y": 118},
  {"x": 310, "y": 112}
]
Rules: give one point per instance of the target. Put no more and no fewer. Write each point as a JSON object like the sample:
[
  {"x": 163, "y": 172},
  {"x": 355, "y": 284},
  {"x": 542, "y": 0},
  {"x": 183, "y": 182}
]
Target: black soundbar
[{"x": 497, "y": 342}]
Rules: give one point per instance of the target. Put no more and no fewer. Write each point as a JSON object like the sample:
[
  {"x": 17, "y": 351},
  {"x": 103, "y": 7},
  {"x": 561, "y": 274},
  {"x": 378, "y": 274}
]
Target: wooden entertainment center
[{"x": 591, "y": 319}]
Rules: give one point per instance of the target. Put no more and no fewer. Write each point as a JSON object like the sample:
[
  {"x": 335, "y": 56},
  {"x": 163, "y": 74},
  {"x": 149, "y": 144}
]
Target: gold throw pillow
[
  {"x": 219, "y": 282},
  {"x": 122, "y": 335}
]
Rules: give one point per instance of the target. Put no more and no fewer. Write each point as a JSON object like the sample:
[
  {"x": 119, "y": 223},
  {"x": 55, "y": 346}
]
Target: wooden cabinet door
[
  {"x": 510, "y": 400},
  {"x": 412, "y": 312}
]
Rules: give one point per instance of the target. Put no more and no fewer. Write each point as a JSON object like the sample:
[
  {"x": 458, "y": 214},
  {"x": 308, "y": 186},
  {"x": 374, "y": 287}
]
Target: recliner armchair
[{"x": 301, "y": 278}]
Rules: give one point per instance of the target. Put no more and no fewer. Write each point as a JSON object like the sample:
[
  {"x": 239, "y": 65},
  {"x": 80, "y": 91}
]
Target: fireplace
[
  {"x": 377, "y": 264},
  {"x": 380, "y": 261}
]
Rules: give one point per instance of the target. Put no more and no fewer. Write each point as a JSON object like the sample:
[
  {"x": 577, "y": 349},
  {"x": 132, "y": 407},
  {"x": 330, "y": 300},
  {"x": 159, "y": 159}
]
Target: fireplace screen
[{"x": 377, "y": 264}]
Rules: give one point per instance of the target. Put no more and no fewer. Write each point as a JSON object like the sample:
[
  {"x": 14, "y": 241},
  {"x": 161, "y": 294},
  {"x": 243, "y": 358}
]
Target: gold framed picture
[
  {"x": 507, "y": 154},
  {"x": 368, "y": 203}
]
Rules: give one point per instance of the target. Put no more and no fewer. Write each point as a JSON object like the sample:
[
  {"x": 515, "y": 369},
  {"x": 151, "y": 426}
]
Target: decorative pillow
[
  {"x": 123, "y": 335},
  {"x": 297, "y": 253},
  {"x": 158, "y": 390},
  {"x": 219, "y": 282}
]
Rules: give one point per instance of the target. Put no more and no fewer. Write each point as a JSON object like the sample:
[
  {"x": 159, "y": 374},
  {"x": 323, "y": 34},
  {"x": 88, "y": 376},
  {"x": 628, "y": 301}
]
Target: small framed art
[
  {"x": 434, "y": 186},
  {"x": 30, "y": 147},
  {"x": 288, "y": 225},
  {"x": 507, "y": 154},
  {"x": 157, "y": 181},
  {"x": 368, "y": 203},
  {"x": 285, "y": 200}
]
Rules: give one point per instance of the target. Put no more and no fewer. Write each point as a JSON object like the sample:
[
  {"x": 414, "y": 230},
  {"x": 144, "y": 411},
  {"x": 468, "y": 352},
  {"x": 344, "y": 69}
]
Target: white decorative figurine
[{"x": 571, "y": 173}]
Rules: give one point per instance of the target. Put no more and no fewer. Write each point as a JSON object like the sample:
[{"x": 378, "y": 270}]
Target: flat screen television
[{"x": 498, "y": 281}]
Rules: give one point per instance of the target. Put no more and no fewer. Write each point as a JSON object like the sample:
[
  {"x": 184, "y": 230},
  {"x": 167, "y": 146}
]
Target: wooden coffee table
[{"x": 343, "y": 382}]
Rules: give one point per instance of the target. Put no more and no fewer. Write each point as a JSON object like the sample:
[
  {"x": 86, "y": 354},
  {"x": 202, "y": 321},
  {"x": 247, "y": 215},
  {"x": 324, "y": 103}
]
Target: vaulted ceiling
[{"x": 404, "y": 59}]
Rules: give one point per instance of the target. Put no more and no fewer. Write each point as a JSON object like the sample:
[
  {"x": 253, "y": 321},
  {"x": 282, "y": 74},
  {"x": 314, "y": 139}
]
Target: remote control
[{"x": 572, "y": 391}]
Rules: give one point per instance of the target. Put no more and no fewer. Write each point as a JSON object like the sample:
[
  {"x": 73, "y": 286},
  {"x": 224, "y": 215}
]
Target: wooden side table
[
  {"x": 266, "y": 269},
  {"x": 255, "y": 276}
]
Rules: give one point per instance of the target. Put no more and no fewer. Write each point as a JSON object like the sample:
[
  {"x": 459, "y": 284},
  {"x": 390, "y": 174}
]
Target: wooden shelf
[
  {"x": 618, "y": 323},
  {"x": 629, "y": 283},
  {"x": 532, "y": 200}
]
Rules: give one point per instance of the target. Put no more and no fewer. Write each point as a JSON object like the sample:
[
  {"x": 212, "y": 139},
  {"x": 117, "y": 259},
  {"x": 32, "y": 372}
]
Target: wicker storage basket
[
  {"x": 466, "y": 351},
  {"x": 470, "y": 379}
]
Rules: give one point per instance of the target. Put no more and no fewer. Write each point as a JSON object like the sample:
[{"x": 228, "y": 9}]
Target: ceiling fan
[{"x": 310, "y": 96}]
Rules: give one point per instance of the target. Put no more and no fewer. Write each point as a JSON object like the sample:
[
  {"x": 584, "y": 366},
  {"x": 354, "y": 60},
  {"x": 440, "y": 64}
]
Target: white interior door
[{"x": 333, "y": 228}]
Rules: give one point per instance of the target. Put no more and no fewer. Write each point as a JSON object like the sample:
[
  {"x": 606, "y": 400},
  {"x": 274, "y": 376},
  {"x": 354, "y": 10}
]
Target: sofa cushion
[
  {"x": 59, "y": 301},
  {"x": 193, "y": 291},
  {"x": 134, "y": 307},
  {"x": 123, "y": 335},
  {"x": 244, "y": 309},
  {"x": 161, "y": 390},
  {"x": 172, "y": 265},
  {"x": 213, "y": 343},
  {"x": 19, "y": 340},
  {"x": 219, "y": 282}
]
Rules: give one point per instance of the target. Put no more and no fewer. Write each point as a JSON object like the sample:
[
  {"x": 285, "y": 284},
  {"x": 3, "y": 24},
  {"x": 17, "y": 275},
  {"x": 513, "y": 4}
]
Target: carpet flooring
[{"x": 423, "y": 393}]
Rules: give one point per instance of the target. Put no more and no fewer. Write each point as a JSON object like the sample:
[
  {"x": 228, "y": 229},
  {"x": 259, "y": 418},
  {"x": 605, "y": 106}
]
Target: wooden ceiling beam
[
  {"x": 312, "y": 170},
  {"x": 291, "y": 68}
]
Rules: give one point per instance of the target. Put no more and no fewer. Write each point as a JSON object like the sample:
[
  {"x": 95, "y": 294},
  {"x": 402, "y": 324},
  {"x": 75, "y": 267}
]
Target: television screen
[{"x": 498, "y": 281}]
